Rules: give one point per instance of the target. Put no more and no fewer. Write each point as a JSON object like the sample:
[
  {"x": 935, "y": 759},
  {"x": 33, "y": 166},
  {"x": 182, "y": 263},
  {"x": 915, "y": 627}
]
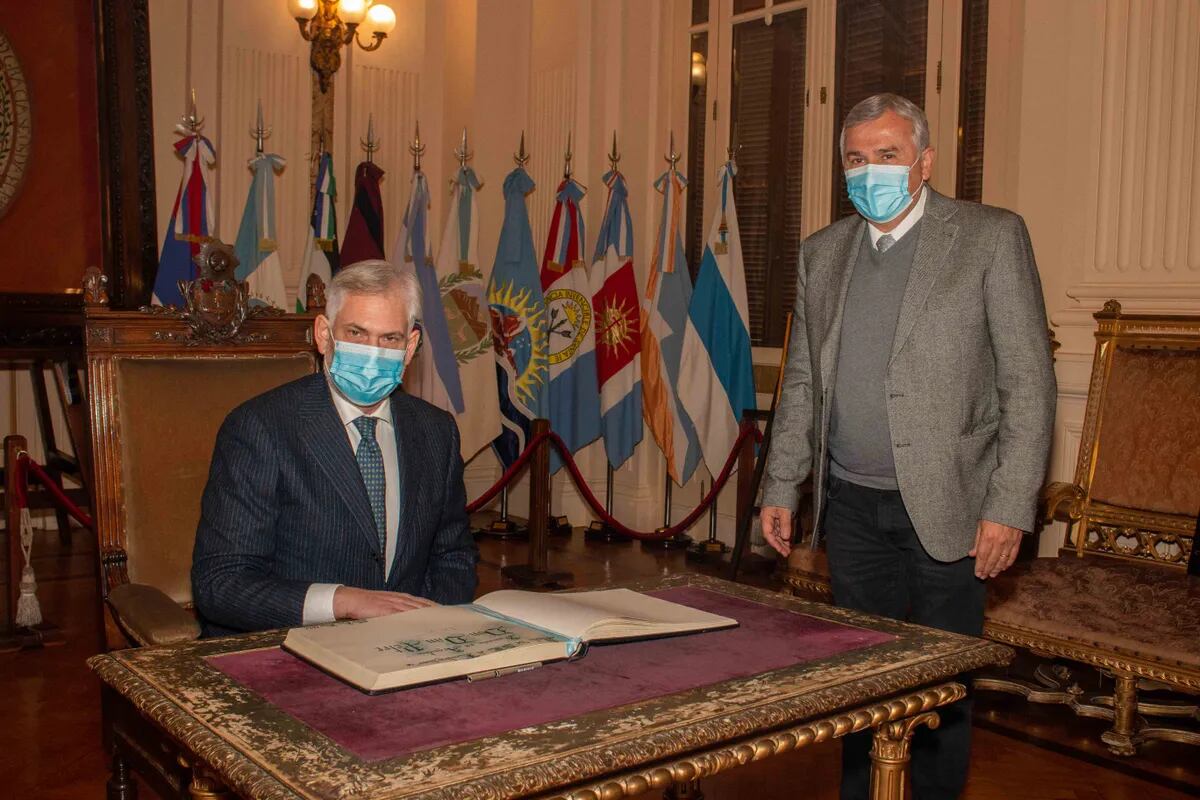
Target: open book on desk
[{"x": 501, "y": 632}]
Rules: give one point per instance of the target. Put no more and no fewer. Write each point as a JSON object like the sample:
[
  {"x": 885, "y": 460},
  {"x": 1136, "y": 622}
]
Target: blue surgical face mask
[
  {"x": 365, "y": 374},
  {"x": 879, "y": 191}
]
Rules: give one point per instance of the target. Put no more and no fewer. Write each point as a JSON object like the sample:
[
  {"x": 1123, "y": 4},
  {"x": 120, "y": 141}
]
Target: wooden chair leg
[
  {"x": 1122, "y": 738},
  {"x": 121, "y": 785}
]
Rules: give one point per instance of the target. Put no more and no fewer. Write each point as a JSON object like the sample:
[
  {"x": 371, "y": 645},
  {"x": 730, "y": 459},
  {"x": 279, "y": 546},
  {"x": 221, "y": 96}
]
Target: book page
[
  {"x": 412, "y": 640},
  {"x": 596, "y": 615}
]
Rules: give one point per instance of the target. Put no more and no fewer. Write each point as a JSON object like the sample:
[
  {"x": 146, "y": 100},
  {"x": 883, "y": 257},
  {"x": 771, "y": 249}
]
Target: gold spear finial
[
  {"x": 672, "y": 157},
  {"x": 567, "y": 159},
  {"x": 417, "y": 149},
  {"x": 613, "y": 156},
  {"x": 461, "y": 152},
  {"x": 370, "y": 144},
  {"x": 260, "y": 132},
  {"x": 190, "y": 120},
  {"x": 521, "y": 157}
]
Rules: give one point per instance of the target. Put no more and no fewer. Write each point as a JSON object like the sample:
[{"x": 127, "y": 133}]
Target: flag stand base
[
  {"x": 559, "y": 526},
  {"x": 504, "y": 528},
  {"x": 677, "y": 542},
  {"x": 27, "y": 638},
  {"x": 600, "y": 531},
  {"x": 527, "y": 577},
  {"x": 702, "y": 551}
]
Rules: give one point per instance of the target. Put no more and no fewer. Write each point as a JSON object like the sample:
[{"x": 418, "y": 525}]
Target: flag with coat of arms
[
  {"x": 571, "y": 341},
  {"x": 617, "y": 326},
  {"x": 192, "y": 217},
  {"x": 665, "y": 320},
  {"x": 464, "y": 301},
  {"x": 321, "y": 240},
  {"x": 256, "y": 245},
  {"x": 716, "y": 380},
  {"x": 518, "y": 315}
]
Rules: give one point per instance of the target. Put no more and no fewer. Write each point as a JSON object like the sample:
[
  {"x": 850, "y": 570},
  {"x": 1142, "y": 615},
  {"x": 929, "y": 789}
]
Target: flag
[
  {"x": 618, "y": 326},
  {"x": 571, "y": 342},
  {"x": 321, "y": 242},
  {"x": 464, "y": 301},
  {"x": 364, "y": 229},
  {"x": 411, "y": 252},
  {"x": 192, "y": 218},
  {"x": 256, "y": 245},
  {"x": 665, "y": 311},
  {"x": 518, "y": 316},
  {"x": 716, "y": 380}
]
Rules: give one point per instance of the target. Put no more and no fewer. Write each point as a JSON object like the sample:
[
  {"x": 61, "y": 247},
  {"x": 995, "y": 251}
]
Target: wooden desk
[{"x": 168, "y": 708}]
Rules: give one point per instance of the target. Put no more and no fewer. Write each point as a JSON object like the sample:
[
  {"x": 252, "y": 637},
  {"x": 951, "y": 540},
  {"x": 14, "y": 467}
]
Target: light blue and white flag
[
  {"x": 411, "y": 252},
  {"x": 716, "y": 380},
  {"x": 256, "y": 246},
  {"x": 574, "y": 388}
]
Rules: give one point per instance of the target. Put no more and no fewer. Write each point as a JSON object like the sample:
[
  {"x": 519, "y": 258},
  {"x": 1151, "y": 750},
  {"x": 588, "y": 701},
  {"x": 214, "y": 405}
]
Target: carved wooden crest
[{"x": 216, "y": 302}]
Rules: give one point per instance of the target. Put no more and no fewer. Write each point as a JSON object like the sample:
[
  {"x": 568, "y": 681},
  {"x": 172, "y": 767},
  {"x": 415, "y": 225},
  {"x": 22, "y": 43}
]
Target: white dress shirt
[
  {"x": 318, "y": 601},
  {"x": 905, "y": 226}
]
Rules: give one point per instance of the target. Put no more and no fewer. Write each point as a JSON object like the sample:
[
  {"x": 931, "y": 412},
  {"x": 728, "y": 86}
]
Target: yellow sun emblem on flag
[
  {"x": 616, "y": 324},
  {"x": 519, "y": 337}
]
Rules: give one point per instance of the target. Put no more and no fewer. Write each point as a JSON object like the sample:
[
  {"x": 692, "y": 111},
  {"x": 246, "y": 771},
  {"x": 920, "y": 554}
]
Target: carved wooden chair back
[
  {"x": 160, "y": 383},
  {"x": 1136, "y": 492}
]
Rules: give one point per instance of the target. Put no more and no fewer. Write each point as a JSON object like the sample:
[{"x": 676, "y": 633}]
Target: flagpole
[
  {"x": 599, "y": 530},
  {"x": 679, "y": 540}
]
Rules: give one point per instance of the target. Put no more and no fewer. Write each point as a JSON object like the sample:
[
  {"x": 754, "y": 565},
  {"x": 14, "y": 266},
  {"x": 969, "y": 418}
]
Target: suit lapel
[
  {"x": 326, "y": 439},
  {"x": 936, "y": 238},
  {"x": 841, "y": 269},
  {"x": 405, "y": 469}
]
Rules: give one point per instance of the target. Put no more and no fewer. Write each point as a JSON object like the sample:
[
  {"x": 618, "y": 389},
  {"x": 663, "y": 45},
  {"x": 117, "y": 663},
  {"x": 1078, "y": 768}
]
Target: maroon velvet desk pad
[{"x": 385, "y": 726}]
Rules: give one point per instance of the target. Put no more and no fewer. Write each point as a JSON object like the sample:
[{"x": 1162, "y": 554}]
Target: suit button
[
  {"x": 900, "y": 444},
  {"x": 896, "y": 394}
]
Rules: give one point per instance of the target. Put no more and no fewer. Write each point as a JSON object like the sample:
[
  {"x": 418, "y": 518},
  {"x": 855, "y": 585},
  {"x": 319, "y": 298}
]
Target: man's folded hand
[{"x": 351, "y": 603}]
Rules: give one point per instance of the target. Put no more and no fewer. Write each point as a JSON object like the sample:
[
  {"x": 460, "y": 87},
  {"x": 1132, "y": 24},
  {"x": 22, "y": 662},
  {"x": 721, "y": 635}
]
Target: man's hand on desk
[
  {"x": 351, "y": 603},
  {"x": 777, "y": 528}
]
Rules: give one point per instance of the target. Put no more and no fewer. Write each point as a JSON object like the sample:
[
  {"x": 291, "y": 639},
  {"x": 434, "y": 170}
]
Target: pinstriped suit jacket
[{"x": 285, "y": 506}]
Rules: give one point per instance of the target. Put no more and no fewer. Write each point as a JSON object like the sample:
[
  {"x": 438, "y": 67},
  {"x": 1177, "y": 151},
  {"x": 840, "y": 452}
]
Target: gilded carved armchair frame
[{"x": 140, "y": 614}]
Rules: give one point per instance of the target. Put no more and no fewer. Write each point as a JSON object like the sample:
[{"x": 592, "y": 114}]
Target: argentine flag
[
  {"x": 256, "y": 246},
  {"x": 716, "y": 381}
]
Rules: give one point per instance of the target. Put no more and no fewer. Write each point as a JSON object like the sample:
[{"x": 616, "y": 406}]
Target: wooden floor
[{"x": 50, "y": 735}]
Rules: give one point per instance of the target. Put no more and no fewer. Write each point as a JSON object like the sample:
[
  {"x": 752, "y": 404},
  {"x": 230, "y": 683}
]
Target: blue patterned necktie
[{"x": 370, "y": 464}]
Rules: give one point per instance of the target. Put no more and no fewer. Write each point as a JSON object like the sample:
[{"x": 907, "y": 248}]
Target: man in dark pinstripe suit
[{"x": 334, "y": 496}]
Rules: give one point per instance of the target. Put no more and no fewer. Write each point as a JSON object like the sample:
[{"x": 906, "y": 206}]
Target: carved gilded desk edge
[{"x": 734, "y": 754}]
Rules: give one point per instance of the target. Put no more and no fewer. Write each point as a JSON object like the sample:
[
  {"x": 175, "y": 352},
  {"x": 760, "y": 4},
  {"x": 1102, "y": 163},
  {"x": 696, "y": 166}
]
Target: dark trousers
[{"x": 877, "y": 565}]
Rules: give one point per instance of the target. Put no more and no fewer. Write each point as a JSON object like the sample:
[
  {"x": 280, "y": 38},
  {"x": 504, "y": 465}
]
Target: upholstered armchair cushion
[
  {"x": 1149, "y": 432},
  {"x": 1130, "y": 608},
  {"x": 150, "y": 616},
  {"x": 170, "y": 410}
]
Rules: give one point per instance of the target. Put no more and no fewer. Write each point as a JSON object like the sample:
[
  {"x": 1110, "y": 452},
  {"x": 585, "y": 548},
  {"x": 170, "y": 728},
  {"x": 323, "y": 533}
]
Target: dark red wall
[{"x": 51, "y": 232}]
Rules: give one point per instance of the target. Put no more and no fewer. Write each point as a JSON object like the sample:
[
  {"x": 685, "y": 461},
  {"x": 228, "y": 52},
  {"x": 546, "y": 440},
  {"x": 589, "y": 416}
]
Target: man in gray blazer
[
  {"x": 336, "y": 496},
  {"x": 919, "y": 393}
]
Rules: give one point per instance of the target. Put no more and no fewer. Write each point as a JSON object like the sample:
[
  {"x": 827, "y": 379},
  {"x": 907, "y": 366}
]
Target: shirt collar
[
  {"x": 905, "y": 226},
  {"x": 348, "y": 412}
]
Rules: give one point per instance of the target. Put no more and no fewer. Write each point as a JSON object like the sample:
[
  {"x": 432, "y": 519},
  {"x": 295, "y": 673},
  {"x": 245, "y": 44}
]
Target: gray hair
[
  {"x": 877, "y": 105},
  {"x": 374, "y": 277}
]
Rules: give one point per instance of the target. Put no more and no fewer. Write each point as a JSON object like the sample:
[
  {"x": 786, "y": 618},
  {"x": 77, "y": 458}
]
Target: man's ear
[
  {"x": 322, "y": 334},
  {"x": 927, "y": 164},
  {"x": 414, "y": 343}
]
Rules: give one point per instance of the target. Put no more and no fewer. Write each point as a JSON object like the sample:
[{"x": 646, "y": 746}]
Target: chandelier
[{"x": 332, "y": 24}]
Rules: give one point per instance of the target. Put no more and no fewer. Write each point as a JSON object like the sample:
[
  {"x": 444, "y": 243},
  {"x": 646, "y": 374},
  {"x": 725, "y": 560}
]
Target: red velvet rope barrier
[
  {"x": 594, "y": 502},
  {"x": 27, "y": 466}
]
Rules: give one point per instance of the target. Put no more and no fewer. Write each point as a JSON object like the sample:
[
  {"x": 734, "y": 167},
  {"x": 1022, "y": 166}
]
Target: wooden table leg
[
  {"x": 121, "y": 785},
  {"x": 890, "y": 755}
]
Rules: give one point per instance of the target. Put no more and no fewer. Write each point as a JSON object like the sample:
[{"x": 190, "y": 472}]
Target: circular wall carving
[{"x": 15, "y": 124}]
